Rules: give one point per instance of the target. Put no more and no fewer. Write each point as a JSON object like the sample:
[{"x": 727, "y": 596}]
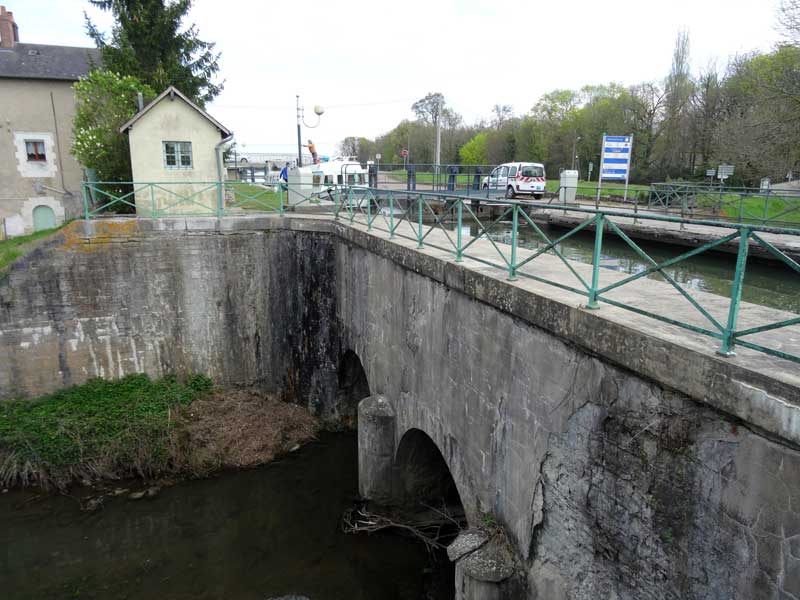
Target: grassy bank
[
  {"x": 138, "y": 427},
  {"x": 12, "y": 248}
]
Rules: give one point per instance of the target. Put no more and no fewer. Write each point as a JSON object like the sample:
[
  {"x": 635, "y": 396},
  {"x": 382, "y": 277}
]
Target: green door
[{"x": 43, "y": 218}]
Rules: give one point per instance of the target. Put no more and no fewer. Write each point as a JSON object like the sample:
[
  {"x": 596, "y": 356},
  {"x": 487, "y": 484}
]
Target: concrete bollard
[{"x": 375, "y": 448}]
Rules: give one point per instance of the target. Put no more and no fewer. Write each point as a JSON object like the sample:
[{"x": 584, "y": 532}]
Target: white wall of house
[{"x": 172, "y": 120}]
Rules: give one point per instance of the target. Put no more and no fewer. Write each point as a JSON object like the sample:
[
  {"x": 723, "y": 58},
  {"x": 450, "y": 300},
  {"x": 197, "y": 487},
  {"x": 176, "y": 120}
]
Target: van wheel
[
  {"x": 510, "y": 192},
  {"x": 538, "y": 196}
]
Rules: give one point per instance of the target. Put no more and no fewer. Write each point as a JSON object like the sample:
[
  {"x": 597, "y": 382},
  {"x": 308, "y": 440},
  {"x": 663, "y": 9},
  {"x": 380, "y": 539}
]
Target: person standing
[
  {"x": 284, "y": 176},
  {"x": 313, "y": 151}
]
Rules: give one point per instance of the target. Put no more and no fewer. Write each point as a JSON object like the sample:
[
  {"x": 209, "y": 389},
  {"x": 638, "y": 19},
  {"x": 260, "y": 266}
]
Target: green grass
[
  {"x": 12, "y": 248},
  {"x": 779, "y": 211},
  {"x": 100, "y": 428},
  {"x": 255, "y": 197}
]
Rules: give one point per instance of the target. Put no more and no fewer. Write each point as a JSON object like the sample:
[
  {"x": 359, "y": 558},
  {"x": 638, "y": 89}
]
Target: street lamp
[{"x": 318, "y": 110}]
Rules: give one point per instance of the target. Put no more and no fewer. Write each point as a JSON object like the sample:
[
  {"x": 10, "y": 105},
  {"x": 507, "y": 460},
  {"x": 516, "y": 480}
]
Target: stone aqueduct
[{"x": 619, "y": 464}]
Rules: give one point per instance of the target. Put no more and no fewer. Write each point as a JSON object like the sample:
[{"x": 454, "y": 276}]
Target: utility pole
[
  {"x": 438, "y": 158},
  {"x": 299, "y": 134},
  {"x": 574, "y": 149}
]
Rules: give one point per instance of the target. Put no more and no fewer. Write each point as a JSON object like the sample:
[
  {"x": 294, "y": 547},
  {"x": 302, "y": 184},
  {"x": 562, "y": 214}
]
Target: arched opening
[
  {"x": 352, "y": 388},
  {"x": 427, "y": 488},
  {"x": 43, "y": 218},
  {"x": 422, "y": 474}
]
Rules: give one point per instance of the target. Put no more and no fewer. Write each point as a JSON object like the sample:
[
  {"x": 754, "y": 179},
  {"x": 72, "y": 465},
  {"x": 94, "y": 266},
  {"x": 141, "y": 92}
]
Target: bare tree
[
  {"x": 789, "y": 20},
  {"x": 502, "y": 113},
  {"x": 429, "y": 108}
]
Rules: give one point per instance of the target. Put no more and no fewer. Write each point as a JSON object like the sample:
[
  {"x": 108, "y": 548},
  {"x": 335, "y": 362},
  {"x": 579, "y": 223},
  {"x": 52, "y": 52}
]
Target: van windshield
[{"x": 532, "y": 171}]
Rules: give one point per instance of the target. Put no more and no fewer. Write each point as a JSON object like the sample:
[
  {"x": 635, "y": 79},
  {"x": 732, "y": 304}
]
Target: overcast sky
[{"x": 366, "y": 62}]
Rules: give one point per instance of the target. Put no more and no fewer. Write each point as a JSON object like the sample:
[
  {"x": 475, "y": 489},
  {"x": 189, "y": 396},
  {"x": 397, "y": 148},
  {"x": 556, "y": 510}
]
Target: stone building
[
  {"x": 40, "y": 181},
  {"x": 178, "y": 145}
]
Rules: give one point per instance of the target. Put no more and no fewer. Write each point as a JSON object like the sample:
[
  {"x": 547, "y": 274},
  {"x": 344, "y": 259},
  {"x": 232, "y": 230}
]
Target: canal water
[
  {"x": 768, "y": 283},
  {"x": 255, "y": 534}
]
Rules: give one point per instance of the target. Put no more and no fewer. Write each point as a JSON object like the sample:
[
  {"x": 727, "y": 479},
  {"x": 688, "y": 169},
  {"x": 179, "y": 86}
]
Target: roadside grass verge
[
  {"x": 12, "y": 248},
  {"x": 135, "y": 426}
]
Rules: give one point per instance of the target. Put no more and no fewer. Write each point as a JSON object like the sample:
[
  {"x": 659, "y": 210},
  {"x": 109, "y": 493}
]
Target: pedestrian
[
  {"x": 313, "y": 150},
  {"x": 284, "y": 176}
]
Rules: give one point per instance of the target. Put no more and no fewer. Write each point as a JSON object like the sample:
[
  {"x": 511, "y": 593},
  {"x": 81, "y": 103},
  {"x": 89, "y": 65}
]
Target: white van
[{"x": 517, "y": 178}]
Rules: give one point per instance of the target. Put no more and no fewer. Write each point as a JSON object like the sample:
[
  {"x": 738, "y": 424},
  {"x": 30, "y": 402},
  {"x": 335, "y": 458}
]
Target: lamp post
[{"x": 318, "y": 110}]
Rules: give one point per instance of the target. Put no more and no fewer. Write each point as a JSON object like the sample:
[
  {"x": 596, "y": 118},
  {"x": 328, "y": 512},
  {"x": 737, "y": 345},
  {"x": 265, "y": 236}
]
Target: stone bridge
[{"x": 615, "y": 457}]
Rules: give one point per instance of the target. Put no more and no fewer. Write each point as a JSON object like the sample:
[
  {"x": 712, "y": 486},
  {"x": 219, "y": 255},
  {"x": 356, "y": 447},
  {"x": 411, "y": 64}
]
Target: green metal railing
[
  {"x": 416, "y": 215},
  {"x": 196, "y": 198},
  {"x": 780, "y": 208}
]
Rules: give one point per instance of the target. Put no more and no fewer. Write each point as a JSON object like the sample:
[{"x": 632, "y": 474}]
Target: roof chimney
[{"x": 9, "y": 34}]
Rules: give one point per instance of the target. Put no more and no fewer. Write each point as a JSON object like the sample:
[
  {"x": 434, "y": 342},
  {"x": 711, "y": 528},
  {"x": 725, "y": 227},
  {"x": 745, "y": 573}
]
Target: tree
[
  {"x": 789, "y": 20},
  {"x": 148, "y": 42},
  {"x": 474, "y": 151},
  {"x": 429, "y": 108},
  {"x": 502, "y": 113},
  {"x": 105, "y": 100},
  {"x": 678, "y": 90}
]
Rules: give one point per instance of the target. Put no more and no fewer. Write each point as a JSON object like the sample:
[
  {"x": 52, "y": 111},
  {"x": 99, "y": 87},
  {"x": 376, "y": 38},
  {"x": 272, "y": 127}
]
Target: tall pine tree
[{"x": 148, "y": 42}]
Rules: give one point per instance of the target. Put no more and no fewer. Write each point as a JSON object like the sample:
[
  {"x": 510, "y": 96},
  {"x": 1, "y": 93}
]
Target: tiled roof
[{"x": 40, "y": 61}]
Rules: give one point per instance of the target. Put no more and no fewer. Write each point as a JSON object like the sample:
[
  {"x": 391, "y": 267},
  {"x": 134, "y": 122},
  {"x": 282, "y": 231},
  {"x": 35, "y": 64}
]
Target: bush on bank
[{"x": 135, "y": 426}]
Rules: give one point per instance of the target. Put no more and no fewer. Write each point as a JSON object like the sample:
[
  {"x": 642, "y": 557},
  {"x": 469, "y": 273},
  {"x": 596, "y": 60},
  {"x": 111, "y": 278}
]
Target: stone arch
[
  {"x": 352, "y": 387},
  {"x": 422, "y": 474}
]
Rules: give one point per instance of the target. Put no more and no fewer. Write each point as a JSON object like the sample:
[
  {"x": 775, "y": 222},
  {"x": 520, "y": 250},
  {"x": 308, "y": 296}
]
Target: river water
[
  {"x": 254, "y": 534},
  {"x": 767, "y": 283}
]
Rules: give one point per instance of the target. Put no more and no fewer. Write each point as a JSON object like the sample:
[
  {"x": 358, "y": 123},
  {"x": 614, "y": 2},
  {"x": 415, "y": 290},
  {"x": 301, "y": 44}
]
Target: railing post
[
  {"x": 153, "y": 212},
  {"x": 220, "y": 191},
  {"x": 728, "y": 339},
  {"x": 336, "y": 205},
  {"x": 766, "y": 208},
  {"x": 459, "y": 244},
  {"x": 599, "y": 223},
  {"x": 350, "y": 204},
  {"x": 280, "y": 198},
  {"x": 419, "y": 222},
  {"x": 683, "y": 211},
  {"x": 369, "y": 210},
  {"x": 85, "y": 201},
  {"x": 512, "y": 265},
  {"x": 391, "y": 215}
]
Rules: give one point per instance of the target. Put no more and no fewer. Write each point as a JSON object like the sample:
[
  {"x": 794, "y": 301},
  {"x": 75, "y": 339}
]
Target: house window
[
  {"x": 35, "y": 150},
  {"x": 178, "y": 155}
]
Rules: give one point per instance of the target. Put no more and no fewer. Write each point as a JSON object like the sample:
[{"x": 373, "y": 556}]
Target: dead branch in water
[{"x": 433, "y": 527}]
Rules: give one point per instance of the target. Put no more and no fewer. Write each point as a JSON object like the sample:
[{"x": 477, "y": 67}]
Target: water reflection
[{"x": 257, "y": 534}]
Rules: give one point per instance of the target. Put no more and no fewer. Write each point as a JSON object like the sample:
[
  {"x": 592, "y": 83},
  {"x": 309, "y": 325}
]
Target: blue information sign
[{"x": 616, "y": 158}]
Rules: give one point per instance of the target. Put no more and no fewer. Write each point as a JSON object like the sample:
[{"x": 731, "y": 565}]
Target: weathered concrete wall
[
  {"x": 245, "y": 307},
  {"x": 610, "y": 486}
]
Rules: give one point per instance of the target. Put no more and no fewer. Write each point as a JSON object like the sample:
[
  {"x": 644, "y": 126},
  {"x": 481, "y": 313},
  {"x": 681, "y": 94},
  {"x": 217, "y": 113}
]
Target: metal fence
[
  {"x": 423, "y": 217},
  {"x": 734, "y": 204},
  {"x": 197, "y": 198}
]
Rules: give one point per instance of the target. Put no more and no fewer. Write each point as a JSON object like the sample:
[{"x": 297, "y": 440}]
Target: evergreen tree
[{"x": 148, "y": 42}]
